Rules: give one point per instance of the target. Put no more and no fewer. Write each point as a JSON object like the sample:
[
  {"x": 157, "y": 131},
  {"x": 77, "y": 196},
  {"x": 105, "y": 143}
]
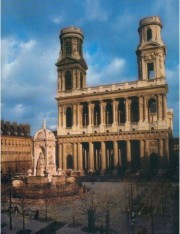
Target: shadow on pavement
[{"x": 51, "y": 228}]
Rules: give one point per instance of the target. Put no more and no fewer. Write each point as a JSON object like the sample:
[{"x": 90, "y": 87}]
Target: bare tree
[
  {"x": 90, "y": 202},
  {"x": 73, "y": 205},
  {"x": 47, "y": 195},
  {"x": 4, "y": 196},
  {"x": 23, "y": 203},
  {"x": 109, "y": 201}
]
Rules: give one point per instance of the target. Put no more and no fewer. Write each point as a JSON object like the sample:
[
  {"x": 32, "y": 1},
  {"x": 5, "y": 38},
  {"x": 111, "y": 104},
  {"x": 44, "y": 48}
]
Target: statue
[{"x": 40, "y": 165}]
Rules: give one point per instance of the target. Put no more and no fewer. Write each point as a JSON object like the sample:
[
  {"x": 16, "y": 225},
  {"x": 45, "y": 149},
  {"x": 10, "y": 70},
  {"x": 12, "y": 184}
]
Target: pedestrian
[
  {"x": 36, "y": 215},
  {"x": 16, "y": 210}
]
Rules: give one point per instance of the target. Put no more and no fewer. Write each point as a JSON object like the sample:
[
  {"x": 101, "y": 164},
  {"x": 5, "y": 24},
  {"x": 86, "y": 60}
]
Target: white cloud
[
  {"x": 28, "y": 80},
  {"x": 57, "y": 20},
  {"x": 107, "y": 74},
  {"x": 13, "y": 54},
  {"x": 19, "y": 109}
]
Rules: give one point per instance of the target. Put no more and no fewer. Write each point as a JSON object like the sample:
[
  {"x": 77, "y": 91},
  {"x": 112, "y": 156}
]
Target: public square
[{"x": 119, "y": 217}]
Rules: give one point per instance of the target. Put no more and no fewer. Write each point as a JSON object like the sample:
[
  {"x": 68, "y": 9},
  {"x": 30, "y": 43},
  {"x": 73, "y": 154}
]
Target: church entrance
[
  {"x": 153, "y": 161},
  {"x": 70, "y": 162}
]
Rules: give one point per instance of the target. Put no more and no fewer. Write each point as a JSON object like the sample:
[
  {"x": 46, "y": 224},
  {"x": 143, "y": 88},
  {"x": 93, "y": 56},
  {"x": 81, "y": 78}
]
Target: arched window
[
  {"x": 149, "y": 34},
  {"x": 96, "y": 115},
  {"x": 69, "y": 117},
  {"x": 121, "y": 112},
  {"x": 68, "y": 46},
  {"x": 81, "y": 80},
  {"x": 152, "y": 106},
  {"x": 109, "y": 113},
  {"x": 150, "y": 70},
  {"x": 68, "y": 80},
  {"x": 85, "y": 121},
  {"x": 152, "y": 109},
  {"x": 134, "y": 111}
]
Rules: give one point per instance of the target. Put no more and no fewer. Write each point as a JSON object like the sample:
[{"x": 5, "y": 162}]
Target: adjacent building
[
  {"x": 16, "y": 148},
  {"x": 124, "y": 124}
]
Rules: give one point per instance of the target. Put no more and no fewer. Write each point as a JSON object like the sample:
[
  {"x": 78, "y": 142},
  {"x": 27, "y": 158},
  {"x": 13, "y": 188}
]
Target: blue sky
[{"x": 30, "y": 47}]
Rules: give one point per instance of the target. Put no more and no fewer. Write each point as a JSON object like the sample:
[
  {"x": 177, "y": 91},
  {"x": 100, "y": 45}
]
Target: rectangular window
[{"x": 150, "y": 69}]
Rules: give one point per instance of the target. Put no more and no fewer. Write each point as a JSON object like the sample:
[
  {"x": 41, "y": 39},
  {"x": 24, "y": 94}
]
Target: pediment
[{"x": 67, "y": 61}]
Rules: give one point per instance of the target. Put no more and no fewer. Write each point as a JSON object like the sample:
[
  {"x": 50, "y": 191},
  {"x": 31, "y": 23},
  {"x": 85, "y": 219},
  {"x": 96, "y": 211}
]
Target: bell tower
[
  {"x": 71, "y": 65},
  {"x": 151, "y": 51}
]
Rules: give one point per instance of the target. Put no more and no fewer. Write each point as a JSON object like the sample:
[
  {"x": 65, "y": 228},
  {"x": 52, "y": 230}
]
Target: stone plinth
[
  {"x": 40, "y": 180},
  {"x": 57, "y": 179}
]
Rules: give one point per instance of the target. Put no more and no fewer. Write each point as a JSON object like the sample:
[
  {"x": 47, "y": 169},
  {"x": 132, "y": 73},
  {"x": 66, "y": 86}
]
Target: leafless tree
[
  {"x": 90, "y": 202},
  {"x": 23, "y": 203},
  {"x": 73, "y": 205},
  {"x": 47, "y": 195},
  {"x": 109, "y": 201}
]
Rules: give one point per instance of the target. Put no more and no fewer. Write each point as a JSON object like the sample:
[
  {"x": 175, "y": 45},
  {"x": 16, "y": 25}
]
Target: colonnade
[
  {"x": 113, "y": 111},
  {"x": 109, "y": 154}
]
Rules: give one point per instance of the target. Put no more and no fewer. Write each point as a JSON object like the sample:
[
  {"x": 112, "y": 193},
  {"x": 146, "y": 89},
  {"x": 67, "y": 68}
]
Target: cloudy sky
[{"x": 30, "y": 48}]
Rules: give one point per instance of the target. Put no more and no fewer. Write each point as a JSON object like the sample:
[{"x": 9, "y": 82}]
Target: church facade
[{"x": 124, "y": 124}]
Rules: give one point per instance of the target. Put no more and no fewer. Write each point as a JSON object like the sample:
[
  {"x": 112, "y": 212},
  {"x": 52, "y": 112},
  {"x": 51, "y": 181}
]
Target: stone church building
[{"x": 124, "y": 124}]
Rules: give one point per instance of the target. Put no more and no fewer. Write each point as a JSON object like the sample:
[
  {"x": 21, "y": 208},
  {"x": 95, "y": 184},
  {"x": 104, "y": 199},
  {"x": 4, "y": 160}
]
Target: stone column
[
  {"x": 60, "y": 156},
  {"x": 161, "y": 153},
  {"x": 91, "y": 156},
  {"x": 80, "y": 165},
  {"x": 63, "y": 83},
  {"x": 127, "y": 109},
  {"x": 77, "y": 114},
  {"x": 167, "y": 148},
  {"x": 145, "y": 109},
  {"x": 64, "y": 157},
  {"x": 86, "y": 159},
  {"x": 115, "y": 148},
  {"x": 75, "y": 155},
  {"x": 128, "y": 149},
  {"x": 103, "y": 156},
  {"x": 142, "y": 154},
  {"x": 102, "y": 105},
  {"x": 92, "y": 114},
  {"x": 160, "y": 147},
  {"x": 60, "y": 116},
  {"x": 64, "y": 116},
  {"x": 164, "y": 107},
  {"x": 80, "y": 107},
  {"x": 74, "y": 115},
  {"x": 160, "y": 107},
  {"x": 89, "y": 114},
  {"x": 115, "y": 111},
  {"x": 140, "y": 109},
  {"x": 74, "y": 78}
]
